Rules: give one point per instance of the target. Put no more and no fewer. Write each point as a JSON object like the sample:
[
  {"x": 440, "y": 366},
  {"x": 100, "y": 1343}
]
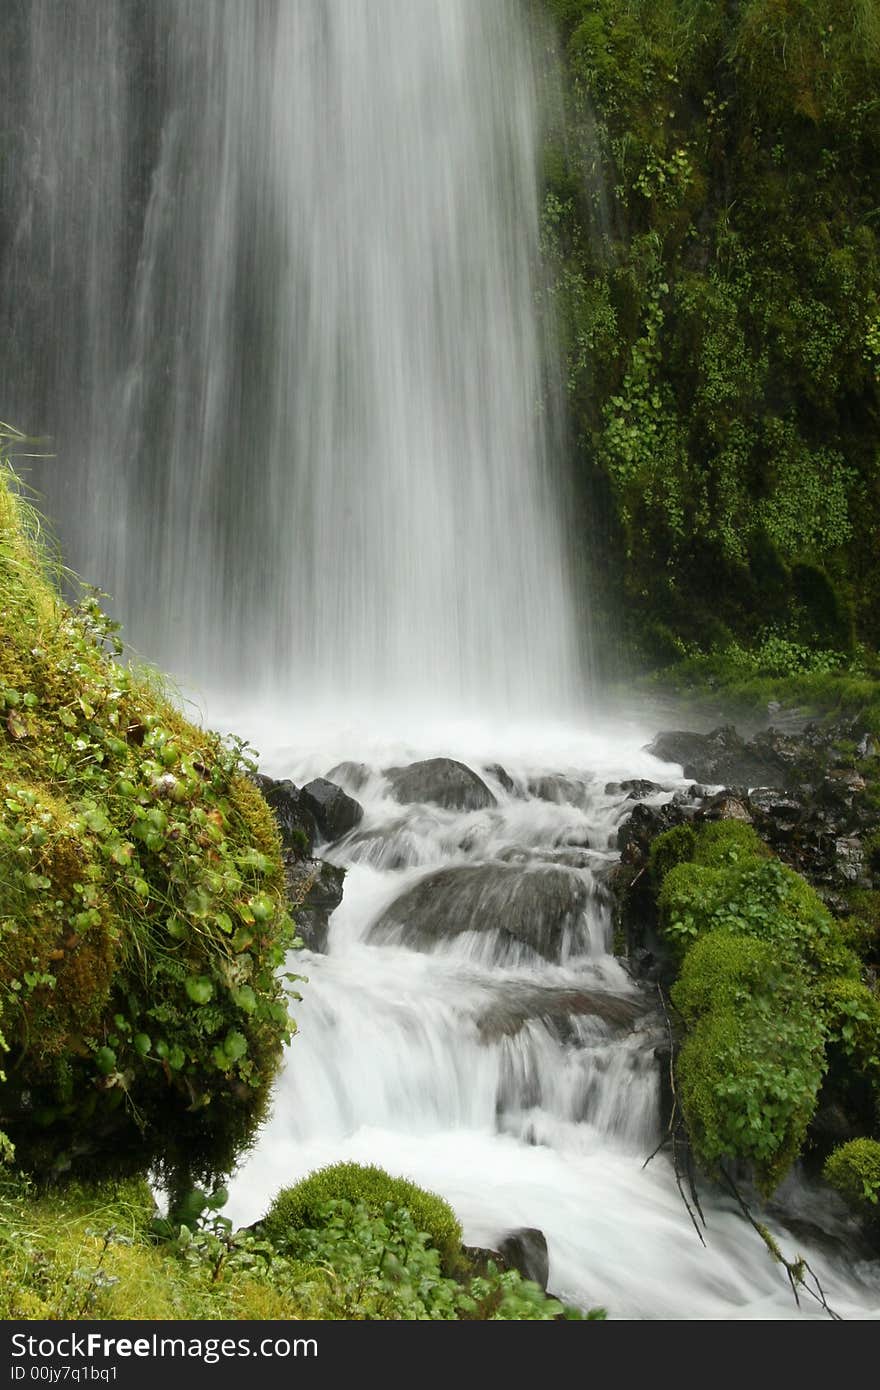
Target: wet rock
[
  {"x": 783, "y": 810},
  {"x": 297, "y": 824},
  {"x": 557, "y": 787},
  {"x": 314, "y": 890},
  {"x": 333, "y": 809},
  {"x": 721, "y": 757},
  {"x": 503, "y": 778},
  {"x": 726, "y": 806},
  {"x": 532, "y": 905},
  {"x": 352, "y": 777},
  {"x": 440, "y": 782},
  {"x": 646, "y": 822},
  {"x": 639, "y": 787},
  {"x": 850, "y": 861},
  {"x": 526, "y": 1250},
  {"x": 556, "y": 1008}
]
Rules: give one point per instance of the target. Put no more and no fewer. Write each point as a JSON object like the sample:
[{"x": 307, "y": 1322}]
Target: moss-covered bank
[
  {"x": 142, "y": 908},
  {"x": 711, "y": 223},
  {"x": 370, "y": 1249},
  {"x": 774, "y": 1001}
]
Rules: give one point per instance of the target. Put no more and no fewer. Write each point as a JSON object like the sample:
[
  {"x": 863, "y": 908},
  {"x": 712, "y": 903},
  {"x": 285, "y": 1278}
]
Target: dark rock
[
  {"x": 334, "y": 810},
  {"x": 529, "y": 905},
  {"x": 314, "y": 891},
  {"x": 637, "y": 832},
  {"x": 352, "y": 777},
  {"x": 526, "y": 1250},
  {"x": 297, "y": 824},
  {"x": 638, "y": 788},
  {"x": 721, "y": 757},
  {"x": 785, "y": 811},
  {"x": 441, "y": 782}
]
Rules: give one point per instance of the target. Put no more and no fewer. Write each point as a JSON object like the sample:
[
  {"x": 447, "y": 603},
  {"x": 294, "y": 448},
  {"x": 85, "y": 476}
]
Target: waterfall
[{"x": 277, "y": 277}]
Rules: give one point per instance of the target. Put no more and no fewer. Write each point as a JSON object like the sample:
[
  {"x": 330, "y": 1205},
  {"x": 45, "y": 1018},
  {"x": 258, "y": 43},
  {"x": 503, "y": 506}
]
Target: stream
[{"x": 469, "y": 1028}]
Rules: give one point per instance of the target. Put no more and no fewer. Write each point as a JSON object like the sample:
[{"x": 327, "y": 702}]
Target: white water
[
  {"x": 304, "y": 411},
  {"x": 466, "y": 1070}
]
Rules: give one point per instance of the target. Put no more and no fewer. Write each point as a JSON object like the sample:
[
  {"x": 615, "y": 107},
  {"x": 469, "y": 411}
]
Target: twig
[
  {"x": 795, "y": 1269},
  {"x": 675, "y": 1132}
]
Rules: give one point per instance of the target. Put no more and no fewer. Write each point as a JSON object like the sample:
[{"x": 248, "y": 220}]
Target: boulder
[
  {"x": 297, "y": 824},
  {"x": 531, "y": 905},
  {"x": 638, "y": 788},
  {"x": 352, "y": 777},
  {"x": 502, "y": 777},
  {"x": 333, "y": 809},
  {"x": 526, "y": 1251},
  {"x": 559, "y": 788},
  {"x": 722, "y": 757},
  {"x": 314, "y": 890},
  {"x": 440, "y": 782},
  {"x": 523, "y": 1250}
]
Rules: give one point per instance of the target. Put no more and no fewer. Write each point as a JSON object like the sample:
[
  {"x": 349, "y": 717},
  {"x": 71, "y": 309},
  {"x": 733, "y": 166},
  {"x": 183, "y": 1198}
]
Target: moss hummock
[
  {"x": 142, "y": 909},
  {"x": 771, "y": 995}
]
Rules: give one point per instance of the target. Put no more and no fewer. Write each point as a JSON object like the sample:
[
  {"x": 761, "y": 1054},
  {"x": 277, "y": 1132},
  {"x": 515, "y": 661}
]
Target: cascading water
[
  {"x": 269, "y": 279},
  {"x": 468, "y": 1027},
  {"x": 293, "y": 251}
]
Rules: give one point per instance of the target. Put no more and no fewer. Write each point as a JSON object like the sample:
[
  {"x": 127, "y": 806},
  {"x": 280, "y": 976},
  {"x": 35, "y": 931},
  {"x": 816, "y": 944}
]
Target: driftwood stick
[{"x": 798, "y": 1269}]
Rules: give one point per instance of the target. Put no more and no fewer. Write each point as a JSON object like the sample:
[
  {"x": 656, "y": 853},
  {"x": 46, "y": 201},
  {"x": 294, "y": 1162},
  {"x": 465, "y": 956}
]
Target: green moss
[
  {"x": 300, "y": 1206},
  {"x": 675, "y": 846},
  {"x": 854, "y": 1170},
  {"x": 143, "y": 915},
  {"x": 768, "y": 984},
  {"x": 727, "y": 395},
  {"x": 725, "y": 843}
]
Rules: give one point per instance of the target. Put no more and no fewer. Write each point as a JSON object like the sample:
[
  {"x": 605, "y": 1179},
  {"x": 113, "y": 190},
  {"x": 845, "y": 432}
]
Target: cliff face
[
  {"x": 711, "y": 223},
  {"x": 142, "y": 906}
]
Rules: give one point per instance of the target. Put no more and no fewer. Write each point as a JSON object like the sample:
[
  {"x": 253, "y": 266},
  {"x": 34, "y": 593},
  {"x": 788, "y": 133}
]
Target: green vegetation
[
  {"x": 143, "y": 916},
  {"x": 770, "y": 993},
  {"x": 711, "y": 227},
  {"x": 90, "y": 1252},
  {"x": 854, "y": 1169},
  {"x": 296, "y": 1207}
]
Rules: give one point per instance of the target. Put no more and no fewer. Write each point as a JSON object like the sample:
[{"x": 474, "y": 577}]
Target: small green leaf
[{"x": 199, "y": 988}]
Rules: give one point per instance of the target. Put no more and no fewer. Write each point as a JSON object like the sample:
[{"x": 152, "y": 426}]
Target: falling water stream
[{"x": 271, "y": 278}]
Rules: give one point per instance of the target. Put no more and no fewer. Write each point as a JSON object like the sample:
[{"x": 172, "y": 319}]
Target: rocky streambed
[{"x": 481, "y": 1011}]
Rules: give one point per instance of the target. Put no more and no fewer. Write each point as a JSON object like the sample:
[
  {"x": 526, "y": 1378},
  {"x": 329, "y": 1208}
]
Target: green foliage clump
[
  {"x": 386, "y": 1267},
  {"x": 768, "y": 990},
  {"x": 854, "y": 1170},
  {"x": 750, "y": 1068},
  {"x": 143, "y": 914},
  {"x": 297, "y": 1207}
]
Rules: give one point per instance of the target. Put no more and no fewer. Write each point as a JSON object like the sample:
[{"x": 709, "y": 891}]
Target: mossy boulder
[
  {"x": 854, "y": 1170},
  {"x": 300, "y": 1207},
  {"x": 770, "y": 994},
  {"x": 142, "y": 908}
]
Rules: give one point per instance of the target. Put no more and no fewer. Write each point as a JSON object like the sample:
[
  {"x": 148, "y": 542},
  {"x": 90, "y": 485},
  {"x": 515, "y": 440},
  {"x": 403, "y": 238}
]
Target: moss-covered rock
[
  {"x": 854, "y": 1170},
  {"x": 142, "y": 908},
  {"x": 769, "y": 992},
  {"x": 299, "y": 1207}
]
